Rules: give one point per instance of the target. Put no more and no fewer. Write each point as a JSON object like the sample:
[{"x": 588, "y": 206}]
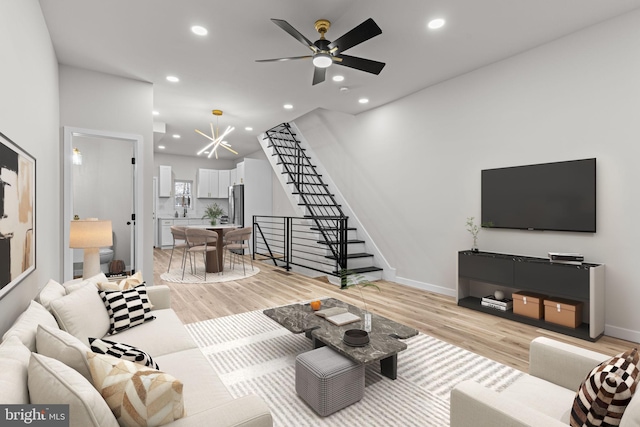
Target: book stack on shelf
[{"x": 504, "y": 304}]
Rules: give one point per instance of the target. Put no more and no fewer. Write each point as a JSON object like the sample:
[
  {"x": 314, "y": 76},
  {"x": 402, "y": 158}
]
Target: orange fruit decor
[{"x": 315, "y": 305}]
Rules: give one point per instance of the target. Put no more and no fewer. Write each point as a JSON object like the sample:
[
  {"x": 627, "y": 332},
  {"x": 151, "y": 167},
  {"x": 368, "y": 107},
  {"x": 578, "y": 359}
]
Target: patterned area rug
[
  {"x": 255, "y": 355},
  {"x": 175, "y": 275}
]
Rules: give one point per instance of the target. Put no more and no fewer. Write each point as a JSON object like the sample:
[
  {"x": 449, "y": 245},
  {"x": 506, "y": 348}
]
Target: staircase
[{"x": 335, "y": 237}]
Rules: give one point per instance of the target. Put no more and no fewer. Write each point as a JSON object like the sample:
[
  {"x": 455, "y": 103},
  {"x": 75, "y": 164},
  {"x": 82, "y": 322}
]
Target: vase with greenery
[
  {"x": 213, "y": 212},
  {"x": 349, "y": 279},
  {"x": 474, "y": 229}
]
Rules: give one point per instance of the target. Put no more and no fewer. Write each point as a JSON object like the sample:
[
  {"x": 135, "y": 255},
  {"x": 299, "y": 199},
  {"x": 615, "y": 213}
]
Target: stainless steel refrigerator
[{"x": 236, "y": 204}]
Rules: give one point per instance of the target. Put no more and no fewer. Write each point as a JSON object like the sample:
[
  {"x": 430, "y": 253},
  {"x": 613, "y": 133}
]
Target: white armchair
[{"x": 543, "y": 397}]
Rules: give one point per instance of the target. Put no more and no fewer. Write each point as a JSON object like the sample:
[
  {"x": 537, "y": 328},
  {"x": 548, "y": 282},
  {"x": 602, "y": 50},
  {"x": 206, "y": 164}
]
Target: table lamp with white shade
[{"x": 90, "y": 234}]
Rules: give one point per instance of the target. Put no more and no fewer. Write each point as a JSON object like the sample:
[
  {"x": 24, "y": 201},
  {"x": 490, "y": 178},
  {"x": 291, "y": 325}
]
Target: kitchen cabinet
[
  {"x": 240, "y": 173},
  {"x": 233, "y": 177},
  {"x": 164, "y": 181},
  {"x": 223, "y": 184},
  {"x": 208, "y": 183},
  {"x": 166, "y": 239}
]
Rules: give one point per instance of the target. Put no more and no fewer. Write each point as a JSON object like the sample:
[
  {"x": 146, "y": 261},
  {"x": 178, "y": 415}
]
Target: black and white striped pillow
[
  {"x": 122, "y": 351},
  {"x": 127, "y": 309}
]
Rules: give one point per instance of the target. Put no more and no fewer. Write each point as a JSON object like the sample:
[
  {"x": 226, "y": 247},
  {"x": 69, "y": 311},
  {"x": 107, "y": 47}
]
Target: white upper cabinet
[
  {"x": 233, "y": 177},
  {"x": 223, "y": 183},
  {"x": 207, "y": 183},
  {"x": 164, "y": 181},
  {"x": 240, "y": 173}
]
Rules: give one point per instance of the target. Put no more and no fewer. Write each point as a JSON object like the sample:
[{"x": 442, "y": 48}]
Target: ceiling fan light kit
[{"x": 326, "y": 52}]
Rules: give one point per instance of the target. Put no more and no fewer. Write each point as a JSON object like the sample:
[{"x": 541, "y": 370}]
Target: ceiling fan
[{"x": 327, "y": 52}]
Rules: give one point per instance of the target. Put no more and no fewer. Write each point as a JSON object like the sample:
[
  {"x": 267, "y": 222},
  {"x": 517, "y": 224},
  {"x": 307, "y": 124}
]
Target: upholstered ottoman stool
[{"x": 328, "y": 381}]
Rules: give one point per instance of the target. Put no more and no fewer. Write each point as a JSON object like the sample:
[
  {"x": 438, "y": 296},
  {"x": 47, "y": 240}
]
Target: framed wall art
[{"x": 17, "y": 214}]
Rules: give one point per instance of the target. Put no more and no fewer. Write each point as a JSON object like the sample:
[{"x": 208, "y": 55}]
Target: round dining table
[{"x": 212, "y": 266}]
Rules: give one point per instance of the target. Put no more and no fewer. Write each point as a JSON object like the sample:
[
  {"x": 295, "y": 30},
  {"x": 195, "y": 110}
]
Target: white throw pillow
[
  {"x": 14, "y": 361},
  {"x": 63, "y": 346},
  {"x": 138, "y": 395},
  {"x": 82, "y": 313},
  {"x": 53, "y": 382},
  {"x": 75, "y": 284},
  {"x": 52, "y": 290},
  {"x": 26, "y": 325}
]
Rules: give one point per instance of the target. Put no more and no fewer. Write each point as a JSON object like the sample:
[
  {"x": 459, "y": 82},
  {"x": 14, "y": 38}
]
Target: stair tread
[
  {"x": 312, "y": 194},
  {"x": 362, "y": 270},
  {"x": 332, "y": 242},
  {"x": 350, "y": 256},
  {"x": 308, "y": 183},
  {"x": 318, "y": 204},
  {"x": 330, "y": 228}
]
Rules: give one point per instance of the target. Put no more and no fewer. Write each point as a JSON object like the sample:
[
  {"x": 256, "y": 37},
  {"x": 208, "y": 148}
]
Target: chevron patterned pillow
[
  {"x": 122, "y": 351},
  {"x": 127, "y": 309},
  {"x": 137, "y": 395},
  {"x": 604, "y": 395}
]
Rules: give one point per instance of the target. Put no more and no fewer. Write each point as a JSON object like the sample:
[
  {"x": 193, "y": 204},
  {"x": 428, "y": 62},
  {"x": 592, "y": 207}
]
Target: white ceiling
[{"x": 150, "y": 39}]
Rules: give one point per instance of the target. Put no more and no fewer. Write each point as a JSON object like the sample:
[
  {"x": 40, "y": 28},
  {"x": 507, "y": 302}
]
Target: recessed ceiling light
[
  {"x": 288, "y": 106},
  {"x": 344, "y": 89},
  {"x": 248, "y": 128},
  {"x": 173, "y": 79},
  {"x": 434, "y": 24},
  {"x": 155, "y": 113},
  {"x": 176, "y": 136},
  {"x": 201, "y": 31},
  {"x": 161, "y": 147},
  {"x": 338, "y": 78},
  {"x": 363, "y": 100}
]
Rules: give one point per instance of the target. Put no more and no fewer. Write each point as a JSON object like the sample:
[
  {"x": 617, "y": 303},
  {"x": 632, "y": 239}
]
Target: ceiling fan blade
[
  {"x": 368, "y": 65},
  {"x": 291, "y": 58},
  {"x": 294, "y": 33},
  {"x": 363, "y": 32},
  {"x": 318, "y": 75}
]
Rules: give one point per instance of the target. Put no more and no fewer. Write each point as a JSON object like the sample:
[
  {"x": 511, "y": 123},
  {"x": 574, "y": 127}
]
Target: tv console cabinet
[{"x": 481, "y": 273}]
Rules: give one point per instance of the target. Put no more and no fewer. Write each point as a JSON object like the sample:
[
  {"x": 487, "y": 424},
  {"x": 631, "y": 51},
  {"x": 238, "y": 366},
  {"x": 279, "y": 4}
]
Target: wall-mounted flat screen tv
[{"x": 557, "y": 196}]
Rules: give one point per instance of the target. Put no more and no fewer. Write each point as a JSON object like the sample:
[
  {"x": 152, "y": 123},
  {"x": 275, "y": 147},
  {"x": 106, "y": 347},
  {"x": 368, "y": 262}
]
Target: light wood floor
[{"x": 437, "y": 315}]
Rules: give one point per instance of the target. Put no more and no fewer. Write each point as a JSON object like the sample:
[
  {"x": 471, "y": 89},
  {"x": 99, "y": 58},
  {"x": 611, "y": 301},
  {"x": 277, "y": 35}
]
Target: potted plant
[
  {"x": 349, "y": 279},
  {"x": 474, "y": 229},
  {"x": 213, "y": 212}
]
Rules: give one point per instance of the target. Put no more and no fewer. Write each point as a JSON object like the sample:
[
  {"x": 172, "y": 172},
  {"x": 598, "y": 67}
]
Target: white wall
[
  {"x": 99, "y": 101},
  {"x": 411, "y": 169},
  {"x": 29, "y": 116}
]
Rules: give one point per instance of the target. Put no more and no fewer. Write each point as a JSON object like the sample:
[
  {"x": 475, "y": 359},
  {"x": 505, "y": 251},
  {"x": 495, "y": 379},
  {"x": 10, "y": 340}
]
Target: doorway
[{"x": 104, "y": 186}]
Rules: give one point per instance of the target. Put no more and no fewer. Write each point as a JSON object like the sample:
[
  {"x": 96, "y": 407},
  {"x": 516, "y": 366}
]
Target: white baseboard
[
  {"x": 622, "y": 333},
  {"x": 426, "y": 286}
]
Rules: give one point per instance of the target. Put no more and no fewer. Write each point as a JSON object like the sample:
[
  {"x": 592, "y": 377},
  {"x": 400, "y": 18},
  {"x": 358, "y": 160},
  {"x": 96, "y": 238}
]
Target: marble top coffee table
[{"x": 384, "y": 337}]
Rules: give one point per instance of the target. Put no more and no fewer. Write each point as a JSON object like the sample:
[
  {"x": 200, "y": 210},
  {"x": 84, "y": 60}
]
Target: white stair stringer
[{"x": 388, "y": 273}]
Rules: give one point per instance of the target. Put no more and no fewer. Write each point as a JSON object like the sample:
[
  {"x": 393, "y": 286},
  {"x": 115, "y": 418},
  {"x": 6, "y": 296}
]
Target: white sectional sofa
[
  {"x": 82, "y": 313},
  {"x": 543, "y": 398}
]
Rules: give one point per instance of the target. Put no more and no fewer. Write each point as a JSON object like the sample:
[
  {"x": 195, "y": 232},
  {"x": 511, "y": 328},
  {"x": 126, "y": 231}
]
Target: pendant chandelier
[{"x": 215, "y": 138}]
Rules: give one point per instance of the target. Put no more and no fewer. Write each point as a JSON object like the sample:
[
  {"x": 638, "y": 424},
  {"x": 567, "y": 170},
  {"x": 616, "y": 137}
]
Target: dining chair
[
  {"x": 204, "y": 241},
  {"x": 236, "y": 242},
  {"x": 179, "y": 242}
]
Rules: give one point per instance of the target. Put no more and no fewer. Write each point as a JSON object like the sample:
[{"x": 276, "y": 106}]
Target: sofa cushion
[
  {"x": 82, "y": 313},
  {"x": 122, "y": 351},
  {"x": 203, "y": 388},
  {"x": 52, "y": 290},
  {"x": 548, "y": 398},
  {"x": 127, "y": 309},
  {"x": 137, "y": 395},
  {"x": 75, "y": 284},
  {"x": 52, "y": 382},
  {"x": 14, "y": 362},
  {"x": 26, "y": 325},
  {"x": 164, "y": 335},
  {"x": 604, "y": 395},
  {"x": 62, "y": 346}
]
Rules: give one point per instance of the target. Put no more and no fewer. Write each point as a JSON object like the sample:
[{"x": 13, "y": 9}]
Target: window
[{"x": 182, "y": 191}]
